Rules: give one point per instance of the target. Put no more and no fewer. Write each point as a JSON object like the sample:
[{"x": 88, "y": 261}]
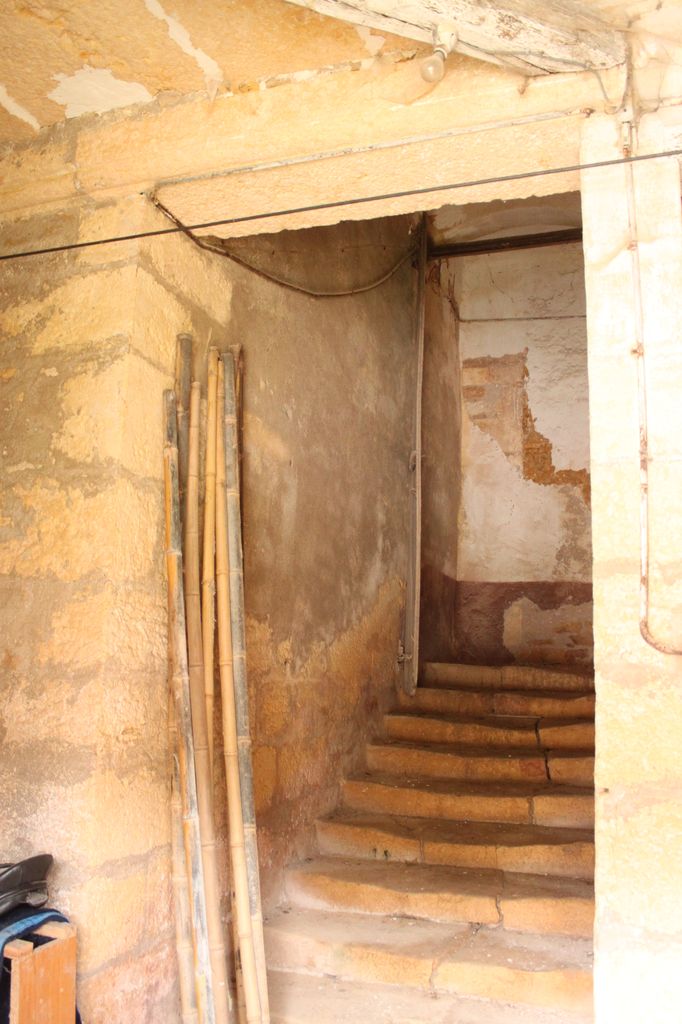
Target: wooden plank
[
  {"x": 533, "y": 35},
  {"x": 55, "y": 978},
  {"x": 43, "y": 980},
  {"x": 22, "y": 991}
]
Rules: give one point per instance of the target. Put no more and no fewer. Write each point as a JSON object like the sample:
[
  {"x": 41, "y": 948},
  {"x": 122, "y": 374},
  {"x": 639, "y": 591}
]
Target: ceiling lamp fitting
[{"x": 444, "y": 42}]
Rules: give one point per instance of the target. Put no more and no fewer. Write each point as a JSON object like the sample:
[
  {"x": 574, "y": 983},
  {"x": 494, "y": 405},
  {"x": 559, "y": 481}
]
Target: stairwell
[{"x": 454, "y": 882}]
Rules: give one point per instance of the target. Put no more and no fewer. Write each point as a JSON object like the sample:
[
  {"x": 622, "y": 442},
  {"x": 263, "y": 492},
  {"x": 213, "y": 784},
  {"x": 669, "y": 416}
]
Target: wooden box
[{"x": 43, "y": 976}]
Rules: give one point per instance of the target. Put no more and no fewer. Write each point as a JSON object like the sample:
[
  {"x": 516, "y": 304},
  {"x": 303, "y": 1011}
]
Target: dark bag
[{"x": 24, "y": 882}]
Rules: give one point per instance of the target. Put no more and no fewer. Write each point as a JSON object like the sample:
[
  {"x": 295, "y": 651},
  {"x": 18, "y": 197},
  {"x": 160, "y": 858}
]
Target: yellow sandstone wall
[{"x": 88, "y": 347}]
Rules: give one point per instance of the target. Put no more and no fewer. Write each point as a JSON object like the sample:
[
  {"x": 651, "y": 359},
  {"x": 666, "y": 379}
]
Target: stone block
[
  {"x": 121, "y": 623},
  {"x": 114, "y": 413},
  {"x": 121, "y": 913},
  {"x": 159, "y": 317},
  {"x": 141, "y": 987},
  {"x": 78, "y": 313},
  {"x": 69, "y": 532},
  {"x": 640, "y": 831},
  {"x": 638, "y": 728}
]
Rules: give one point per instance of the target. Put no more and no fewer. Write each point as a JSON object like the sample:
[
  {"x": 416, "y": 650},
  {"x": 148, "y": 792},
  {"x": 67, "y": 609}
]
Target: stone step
[
  {"x": 463, "y": 701},
  {"x": 423, "y": 956},
  {"x": 530, "y": 849},
  {"x": 299, "y": 998},
  {"x": 440, "y": 761},
  {"x": 506, "y": 677},
  {"x": 542, "y": 904},
  {"x": 493, "y": 730},
  {"x": 523, "y": 803}
]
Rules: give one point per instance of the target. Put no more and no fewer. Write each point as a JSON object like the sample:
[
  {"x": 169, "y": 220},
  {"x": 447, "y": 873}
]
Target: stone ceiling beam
[{"x": 534, "y": 36}]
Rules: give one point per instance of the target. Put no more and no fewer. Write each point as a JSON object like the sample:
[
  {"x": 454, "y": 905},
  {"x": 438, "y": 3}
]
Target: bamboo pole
[
  {"x": 237, "y": 613},
  {"x": 208, "y": 559},
  {"x": 183, "y": 379},
  {"x": 181, "y": 903},
  {"x": 221, "y": 990},
  {"x": 234, "y": 805},
  {"x": 181, "y": 702}
]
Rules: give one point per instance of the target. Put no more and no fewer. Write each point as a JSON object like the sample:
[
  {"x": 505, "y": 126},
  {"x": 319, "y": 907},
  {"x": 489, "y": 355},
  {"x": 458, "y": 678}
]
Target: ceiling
[{"x": 61, "y": 59}]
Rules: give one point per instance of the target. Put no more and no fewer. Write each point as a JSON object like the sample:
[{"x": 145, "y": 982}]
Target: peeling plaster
[
  {"x": 16, "y": 109},
  {"x": 179, "y": 34},
  {"x": 510, "y": 528},
  {"x": 94, "y": 91}
]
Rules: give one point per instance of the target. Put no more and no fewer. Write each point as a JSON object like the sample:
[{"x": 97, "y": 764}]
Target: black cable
[
  {"x": 220, "y": 250},
  {"x": 341, "y": 203}
]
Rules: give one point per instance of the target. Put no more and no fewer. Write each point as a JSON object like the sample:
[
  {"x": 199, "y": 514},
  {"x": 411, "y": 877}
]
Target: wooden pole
[
  {"x": 183, "y": 379},
  {"x": 223, "y": 1001},
  {"x": 181, "y": 902},
  {"x": 181, "y": 702},
  {"x": 234, "y": 797},
  {"x": 184, "y": 938},
  {"x": 241, "y": 693},
  {"x": 208, "y": 559}
]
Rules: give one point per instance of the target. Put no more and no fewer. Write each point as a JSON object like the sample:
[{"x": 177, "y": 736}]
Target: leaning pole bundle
[
  {"x": 234, "y": 797},
  {"x": 204, "y": 776},
  {"x": 241, "y": 695},
  {"x": 183, "y": 720}
]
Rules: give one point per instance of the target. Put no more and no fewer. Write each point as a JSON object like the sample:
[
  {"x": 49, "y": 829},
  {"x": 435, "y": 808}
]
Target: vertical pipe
[
  {"x": 644, "y": 456},
  {"x": 410, "y": 654},
  {"x": 183, "y": 719},
  {"x": 237, "y": 612},
  {"x": 221, "y": 991},
  {"x": 230, "y": 744}
]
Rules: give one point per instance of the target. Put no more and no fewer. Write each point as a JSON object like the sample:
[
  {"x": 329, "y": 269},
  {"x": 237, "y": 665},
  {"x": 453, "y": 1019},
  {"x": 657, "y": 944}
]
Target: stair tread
[
  {"x": 467, "y": 787},
  {"x": 550, "y": 694},
  {"x": 479, "y": 751},
  {"x": 461, "y": 832},
  {"x": 492, "y": 721},
  {"x": 430, "y": 940},
  {"x": 530, "y": 677},
  {"x": 436, "y": 878},
  {"x": 297, "y": 998}
]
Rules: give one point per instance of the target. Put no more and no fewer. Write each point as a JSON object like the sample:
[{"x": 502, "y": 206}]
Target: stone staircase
[{"x": 454, "y": 883}]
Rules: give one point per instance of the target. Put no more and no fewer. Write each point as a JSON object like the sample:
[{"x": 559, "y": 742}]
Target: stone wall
[
  {"x": 329, "y": 391},
  {"x": 88, "y": 347},
  {"x": 638, "y": 774},
  {"x": 519, "y": 586}
]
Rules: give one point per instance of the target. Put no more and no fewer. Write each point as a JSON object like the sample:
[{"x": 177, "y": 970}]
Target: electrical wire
[
  {"x": 211, "y": 246},
  {"x": 345, "y": 203}
]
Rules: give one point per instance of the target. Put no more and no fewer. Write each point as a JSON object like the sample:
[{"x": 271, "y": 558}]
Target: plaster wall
[
  {"x": 638, "y": 949},
  {"x": 329, "y": 393},
  {"x": 88, "y": 347},
  {"x": 518, "y": 586}
]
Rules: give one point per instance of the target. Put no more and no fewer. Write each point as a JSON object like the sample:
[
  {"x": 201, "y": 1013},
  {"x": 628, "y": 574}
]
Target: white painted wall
[{"x": 512, "y": 528}]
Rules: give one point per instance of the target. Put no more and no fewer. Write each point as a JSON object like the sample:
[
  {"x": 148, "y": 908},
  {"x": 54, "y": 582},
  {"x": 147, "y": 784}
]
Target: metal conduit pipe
[{"x": 644, "y": 456}]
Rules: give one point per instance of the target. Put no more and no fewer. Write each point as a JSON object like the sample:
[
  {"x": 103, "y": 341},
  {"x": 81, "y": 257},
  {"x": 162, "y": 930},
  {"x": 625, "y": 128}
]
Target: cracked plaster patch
[
  {"x": 94, "y": 91},
  {"x": 179, "y": 34}
]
